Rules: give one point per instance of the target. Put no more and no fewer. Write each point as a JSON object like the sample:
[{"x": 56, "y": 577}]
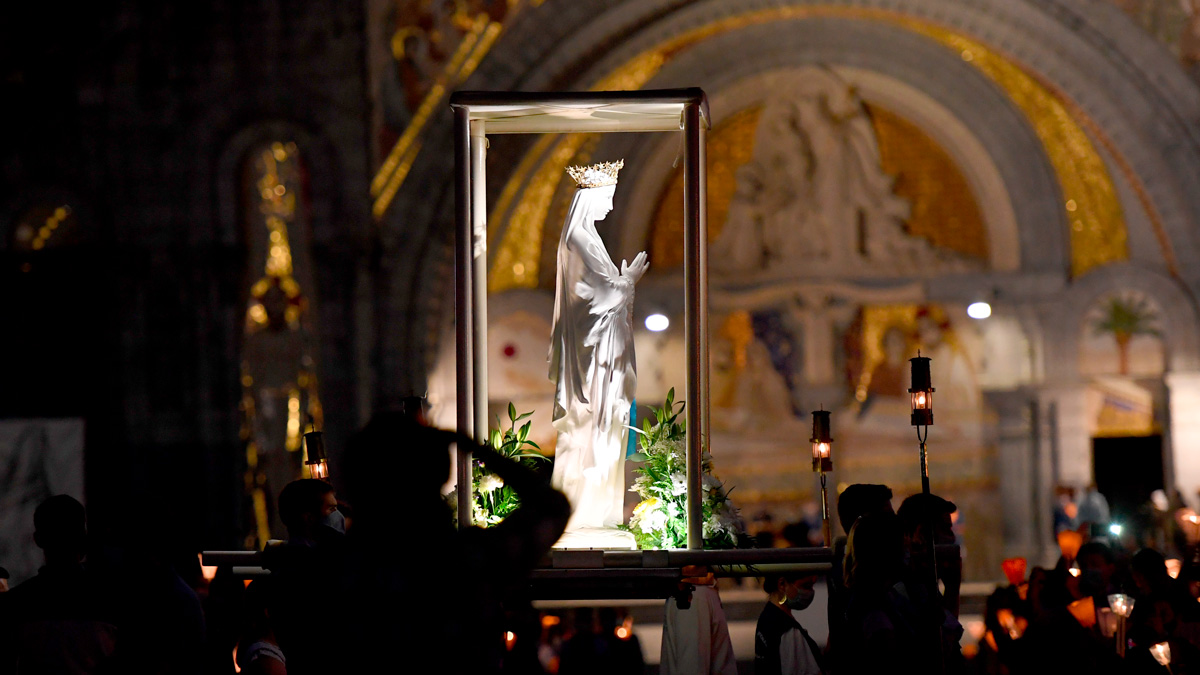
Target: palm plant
[{"x": 1124, "y": 318}]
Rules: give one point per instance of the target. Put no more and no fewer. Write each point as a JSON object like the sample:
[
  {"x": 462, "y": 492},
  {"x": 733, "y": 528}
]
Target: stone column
[
  {"x": 818, "y": 346},
  {"x": 1183, "y": 432},
  {"x": 1072, "y": 433},
  {"x": 1018, "y": 471}
]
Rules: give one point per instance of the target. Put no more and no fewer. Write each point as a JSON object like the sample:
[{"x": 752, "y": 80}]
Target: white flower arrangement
[
  {"x": 493, "y": 501},
  {"x": 660, "y": 519}
]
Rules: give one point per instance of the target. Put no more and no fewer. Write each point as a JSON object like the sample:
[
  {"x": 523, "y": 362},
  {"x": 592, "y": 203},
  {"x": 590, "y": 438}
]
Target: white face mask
[
  {"x": 335, "y": 521},
  {"x": 802, "y": 600}
]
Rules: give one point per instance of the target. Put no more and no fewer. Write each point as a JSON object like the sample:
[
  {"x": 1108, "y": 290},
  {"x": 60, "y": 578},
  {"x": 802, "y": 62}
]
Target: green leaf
[
  {"x": 512, "y": 412},
  {"x": 524, "y": 415},
  {"x": 637, "y": 457},
  {"x": 535, "y": 446},
  {"x": 524, "y": 434}
]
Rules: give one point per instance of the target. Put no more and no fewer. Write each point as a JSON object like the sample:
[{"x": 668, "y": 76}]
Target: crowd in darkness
[
  {"x": 401, "y": 590},
  {"x": 894, "y": 600},
  {"x": 398, "y": 588}
]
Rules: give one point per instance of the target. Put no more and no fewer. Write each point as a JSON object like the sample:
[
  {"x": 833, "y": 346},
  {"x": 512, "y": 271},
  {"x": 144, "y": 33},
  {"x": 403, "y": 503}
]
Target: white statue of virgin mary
[{"x": 592, "y": 363}]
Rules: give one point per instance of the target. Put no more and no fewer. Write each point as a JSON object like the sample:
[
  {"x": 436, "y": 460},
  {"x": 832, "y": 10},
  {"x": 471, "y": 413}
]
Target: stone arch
[
  {"x": 1134, "y": 100},
  {"x": 1178, "y": 316},
  {"x": 1012, "y": 161}
]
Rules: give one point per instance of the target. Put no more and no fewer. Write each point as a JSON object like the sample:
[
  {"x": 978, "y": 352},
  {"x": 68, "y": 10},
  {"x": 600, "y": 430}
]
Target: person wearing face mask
[
  {"x": 310, "y": 557},
  {"x": 781, "y": 645},
  {"x": 309, "y": 510}
]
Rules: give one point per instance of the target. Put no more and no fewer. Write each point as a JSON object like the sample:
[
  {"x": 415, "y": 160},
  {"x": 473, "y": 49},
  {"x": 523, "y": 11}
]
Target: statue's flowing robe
[{"x": 592, "y": 364}]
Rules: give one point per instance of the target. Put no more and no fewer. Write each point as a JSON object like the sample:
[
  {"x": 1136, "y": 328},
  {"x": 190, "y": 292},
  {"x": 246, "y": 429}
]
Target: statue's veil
[{"x": 568, "y": 356}]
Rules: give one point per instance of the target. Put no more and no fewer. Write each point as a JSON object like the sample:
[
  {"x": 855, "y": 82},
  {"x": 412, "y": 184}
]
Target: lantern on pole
[
  {"x": 921, "y": 394},
  {"x": 822, "y": 446},
  {"x": 314, "y": 451}
]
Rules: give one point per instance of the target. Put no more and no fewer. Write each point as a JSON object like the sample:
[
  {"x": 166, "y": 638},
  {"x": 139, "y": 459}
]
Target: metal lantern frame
[{"x": 478, "y": 114}]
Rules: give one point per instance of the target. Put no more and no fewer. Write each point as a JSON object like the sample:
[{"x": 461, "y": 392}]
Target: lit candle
[
  {"x": 822, "y": 444},
  {"x": 1161, "y": 653},
  {"x": 314, "y": 446},
  {"x": 1122, "y": 605},
  {"x": 921, "y": 391}
]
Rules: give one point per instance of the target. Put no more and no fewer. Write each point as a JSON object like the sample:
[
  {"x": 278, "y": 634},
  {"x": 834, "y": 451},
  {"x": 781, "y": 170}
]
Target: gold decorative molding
[
  {"x": 1097, "y": 228},
  {"x": 730, "y": 146},
  {"x": 466, "y": 58},
  {"x": 876, "y": 322},
  {"x": 944, "y": 210},
  {"x": 1095, "y": 220}
]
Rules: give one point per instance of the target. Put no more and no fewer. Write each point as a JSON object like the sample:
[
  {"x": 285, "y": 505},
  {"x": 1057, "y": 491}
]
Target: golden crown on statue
[{"x": 596, "y": 175}]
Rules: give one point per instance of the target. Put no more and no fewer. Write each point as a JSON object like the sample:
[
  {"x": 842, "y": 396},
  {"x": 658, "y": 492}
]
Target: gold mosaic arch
[
  {"x": 944, "y": 210},
  {"x": 1097, "y": 231}
]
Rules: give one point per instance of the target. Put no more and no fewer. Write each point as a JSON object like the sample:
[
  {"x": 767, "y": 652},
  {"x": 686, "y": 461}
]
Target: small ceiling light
[
  {"x": 657, "y": 322},
  {"x": 979, "y": 310}
]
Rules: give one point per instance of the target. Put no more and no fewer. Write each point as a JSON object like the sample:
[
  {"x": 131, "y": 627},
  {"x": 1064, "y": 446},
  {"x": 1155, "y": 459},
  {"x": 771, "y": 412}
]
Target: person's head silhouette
[
  {"x": 309, "y": 509},
  {"x": 396, "y": 466},
  {"x": 60, "y": 530}
]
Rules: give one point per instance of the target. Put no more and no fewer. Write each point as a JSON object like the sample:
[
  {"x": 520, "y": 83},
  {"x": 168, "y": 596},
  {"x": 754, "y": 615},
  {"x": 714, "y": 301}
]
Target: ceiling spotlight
[
  {"x": 979, "y": 310},
  {"x": 657, "y": 323}
]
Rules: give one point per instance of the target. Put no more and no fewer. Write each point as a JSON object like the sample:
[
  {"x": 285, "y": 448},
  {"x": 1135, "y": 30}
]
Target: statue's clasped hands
[{"x": 634, "y": 270}]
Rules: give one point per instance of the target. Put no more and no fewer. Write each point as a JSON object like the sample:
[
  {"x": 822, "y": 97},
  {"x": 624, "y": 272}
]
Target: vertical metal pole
[
  {"x": 930, "y": 544},
  {"x": 693, "y": 320},
  {"x": 702, "y": 275},
  {"x": 924, "y": 467},
  {"x": 826, "y": 529},
  {"x": 462, "y": 304},
  {"x": 479, "y": 315}
]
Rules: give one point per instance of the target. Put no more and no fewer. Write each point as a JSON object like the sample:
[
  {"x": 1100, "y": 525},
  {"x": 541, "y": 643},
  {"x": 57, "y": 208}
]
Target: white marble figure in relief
[
  {"x": 592, "y": 360},
  {"x": 814, "y": 191}
]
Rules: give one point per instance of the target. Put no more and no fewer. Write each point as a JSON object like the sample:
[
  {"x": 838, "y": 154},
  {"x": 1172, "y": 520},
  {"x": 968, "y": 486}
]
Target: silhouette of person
[
  {"x": 62, "y": 620},
  {"x": 311, "y": 555},
  {"x": 855, "y": 501},
  {"x": 410, "y": 583}
]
